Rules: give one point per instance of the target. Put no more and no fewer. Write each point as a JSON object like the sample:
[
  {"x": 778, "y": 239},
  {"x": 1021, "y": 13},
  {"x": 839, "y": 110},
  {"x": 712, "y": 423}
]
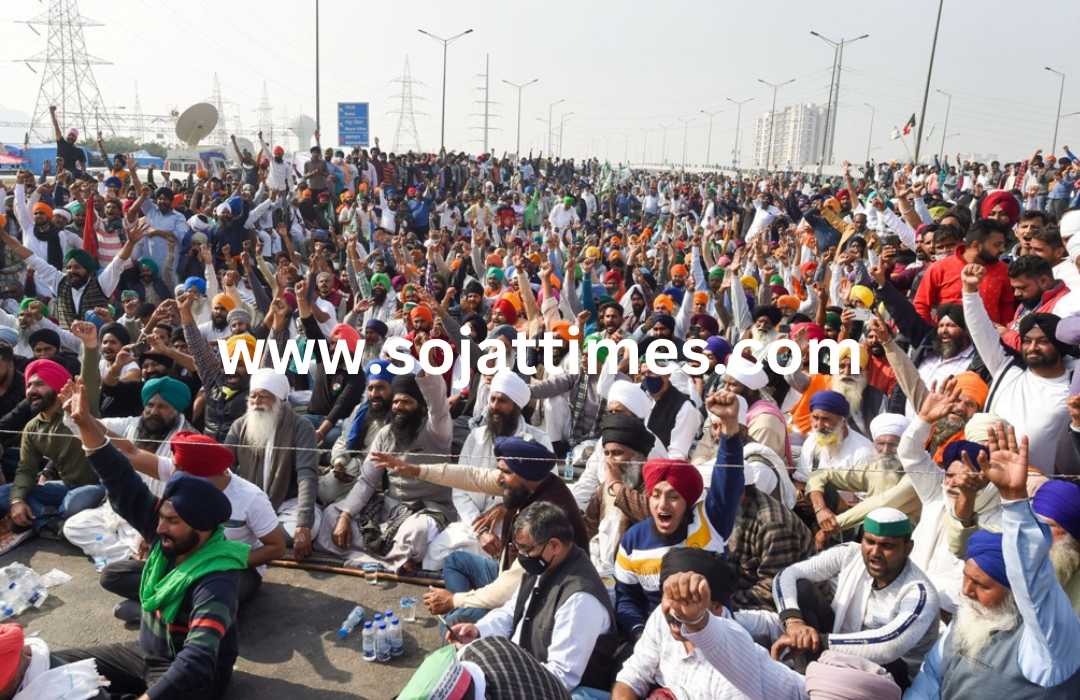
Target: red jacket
[
  {"x": 1049, "y": 301},
  {"x": 942, "y": 285}
]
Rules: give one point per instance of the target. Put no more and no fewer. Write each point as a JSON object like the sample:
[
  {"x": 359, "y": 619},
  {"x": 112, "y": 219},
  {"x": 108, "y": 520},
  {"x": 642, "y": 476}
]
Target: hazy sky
[{"x": 621, "y": 67}]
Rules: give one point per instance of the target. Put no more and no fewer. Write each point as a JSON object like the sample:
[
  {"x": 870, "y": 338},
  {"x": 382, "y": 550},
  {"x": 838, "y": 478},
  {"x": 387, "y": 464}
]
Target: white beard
[
  {"x": 260, "y": 426},
  {"x": 1065, "y": 556},
  {"x": 851, "y": 386},
  {"x": 975, "y": 624}
]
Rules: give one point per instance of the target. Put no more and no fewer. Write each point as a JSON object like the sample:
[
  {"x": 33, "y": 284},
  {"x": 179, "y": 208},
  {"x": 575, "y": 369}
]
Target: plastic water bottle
[
  {"x": 378, "y": 620},
  {"x": 388, "y": 616},
  {"x": 101, "y": 560},
  {"x": 369, "y": 642},
  {"x": 397, "y": 643},
  {"x": 355, "y": 618},
  {"x": 568, "y": 470},
  {"x": 382, "y": 644}
]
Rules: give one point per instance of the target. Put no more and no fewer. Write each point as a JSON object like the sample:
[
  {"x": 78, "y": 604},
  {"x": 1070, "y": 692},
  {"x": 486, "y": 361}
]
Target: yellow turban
[
  {"x": 845, "y": 351},
  {"x": 246, "y": 339},
  {"x": 223, "y": 300},
  {"x": 750, "y": 283},
  {"x": 863, "y": 294}
]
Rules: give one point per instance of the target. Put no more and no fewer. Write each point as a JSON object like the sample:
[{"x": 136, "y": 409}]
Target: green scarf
[{"x": 164, "y": 590}]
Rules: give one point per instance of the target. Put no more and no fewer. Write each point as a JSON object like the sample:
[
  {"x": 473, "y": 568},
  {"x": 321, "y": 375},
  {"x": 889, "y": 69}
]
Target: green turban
[
  {"x": 568, "y": 200},
  {"x": 85, "y": 260},
  {"x": 27, "y": 301},
  {"x": 149, "y": 262},
  {"x": 832, "y": 320},
  {"x": 497, "y": 272},
  {"x": 383, "y": 279},
  {"x": 173, "y": 391},
  {"x": 776, "y": 279},
  {"x": 717, "y": 274},
  {"x": 75, "y": 208}
]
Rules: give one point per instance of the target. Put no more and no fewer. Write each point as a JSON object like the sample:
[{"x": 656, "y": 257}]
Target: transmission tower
[
  {"x": 137, "y": 132},
  {"x": 487, "y": 115},
  {"x": 406, "y": 134},
  {"x": 67, "y": 80},
  {"x": 218, "y": 135},
  {"x": 266, "y": 116}
]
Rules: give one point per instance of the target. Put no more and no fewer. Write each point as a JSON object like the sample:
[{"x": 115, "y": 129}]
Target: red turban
[
  {"x": 200, "y": 455},
  {"x": 346, "y": 333},
  {"x": 52, "y": 373},
  {"x": 507, "y": 308},
  {"x": 11, "y": 646},
  {"x": 613, "y": 276},
  {"x": 422, "y": 312},
  {"x": 808, "y": 267},
  {"x": 683, "y": 477},
  {"x": 1007, "y": 202}
]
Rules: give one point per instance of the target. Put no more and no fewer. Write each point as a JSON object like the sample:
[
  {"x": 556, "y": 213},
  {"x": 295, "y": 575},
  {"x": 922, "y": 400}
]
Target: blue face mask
[{"x": 653, "y": 385}]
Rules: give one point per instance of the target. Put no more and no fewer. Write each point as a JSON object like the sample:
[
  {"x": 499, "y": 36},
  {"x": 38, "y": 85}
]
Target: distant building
[{"x": 797, "y": 137}]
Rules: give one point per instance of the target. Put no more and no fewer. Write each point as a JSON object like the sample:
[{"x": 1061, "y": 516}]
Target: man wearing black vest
[
  {"x": 674, "y": 419},
  {"x": 561, "y": 613},
  {"x": 78, "y": 289}
]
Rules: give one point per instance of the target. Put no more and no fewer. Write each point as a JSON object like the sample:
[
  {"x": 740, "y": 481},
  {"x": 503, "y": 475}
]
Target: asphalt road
[{"x": 289, "y": 646}]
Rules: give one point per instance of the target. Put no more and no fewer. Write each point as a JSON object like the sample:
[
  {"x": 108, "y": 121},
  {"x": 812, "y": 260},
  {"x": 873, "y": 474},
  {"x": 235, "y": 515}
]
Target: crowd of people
[{"x": 894, "y": 513}]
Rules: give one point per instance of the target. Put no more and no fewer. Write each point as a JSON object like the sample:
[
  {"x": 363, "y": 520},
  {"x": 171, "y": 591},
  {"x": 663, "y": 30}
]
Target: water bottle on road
[
  {"x": 355, "y": 618},
  {"x": 382, "y": 644},
  {"x": 369, "y": 642},
  {"x": 397, "y": 643}
]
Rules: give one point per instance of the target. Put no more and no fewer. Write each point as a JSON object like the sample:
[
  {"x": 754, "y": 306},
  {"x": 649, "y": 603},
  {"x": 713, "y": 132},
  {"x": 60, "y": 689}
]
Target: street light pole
[
  {"x": 445, "y": 43},
  {"x": 551, "y": 123},
  {"x": 926, "y": 90},
  {"x": 772, "y": 117},
  {"x": 834, "y": 91},
  {"x": 708, "y": 148},
  {"x": 644, "y": 143},
  {"x": 870, "y": 138},
  {"x": 519, "y": 89},
  {"x": 626, "y": 149},
  {"x": 1057, "y": 120},
  {"x": 663, "y": 145},
  {"x": 318, "y": 112},
  {"x": 738, "y": 119},
  {"x": 562, "y": 120},
  {"x": 948, "y": 107},
  {"x": 686, "y": 130}
]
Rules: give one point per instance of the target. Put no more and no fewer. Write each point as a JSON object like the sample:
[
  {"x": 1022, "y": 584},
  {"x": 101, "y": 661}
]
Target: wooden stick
[{"x": 403, "y": 578}]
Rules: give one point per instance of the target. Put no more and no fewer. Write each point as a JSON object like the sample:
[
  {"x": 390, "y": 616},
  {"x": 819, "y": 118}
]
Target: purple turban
[
  {"x": 831, "y": 402},
  {"x": 1059, "y": 501}
]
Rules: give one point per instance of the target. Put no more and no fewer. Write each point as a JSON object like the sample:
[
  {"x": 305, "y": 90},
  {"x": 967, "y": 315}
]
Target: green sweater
[{"x": 50, "y": 439}]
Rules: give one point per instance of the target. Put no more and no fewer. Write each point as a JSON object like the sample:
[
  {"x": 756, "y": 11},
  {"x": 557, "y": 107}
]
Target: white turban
[
  {"x": 62, "y": 213},
  {"x": 632, "y": 397},
  {"x": 977, "y": 428},
  {"x": 512, "y": 386},
  {"x": 750, "y": 375},
  {"x": 222, "y": 208},
  {"x": 1069, "y": 224},
  {"x": 888, "y": 424},
  {"x": 1072, "y": 247},
  {"x": 266, "y": 379}
]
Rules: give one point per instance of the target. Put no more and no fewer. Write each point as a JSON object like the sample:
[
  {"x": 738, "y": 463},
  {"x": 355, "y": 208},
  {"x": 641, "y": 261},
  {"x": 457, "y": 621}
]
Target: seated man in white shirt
[
  {"x": 831, "y": 444},
  {"x": 696, "y": 585},
  {"x": 885, "y": 609},
  {"x": 570, "y": 625}
]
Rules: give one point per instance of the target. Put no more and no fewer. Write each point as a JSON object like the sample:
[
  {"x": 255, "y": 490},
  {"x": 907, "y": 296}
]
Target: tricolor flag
[
  {"x": 909, "y": 125},
  {"x": 895, "y": 133}
]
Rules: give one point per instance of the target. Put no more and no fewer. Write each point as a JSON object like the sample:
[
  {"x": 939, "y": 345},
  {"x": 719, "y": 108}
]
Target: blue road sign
[{"x": 352, "y": 124}]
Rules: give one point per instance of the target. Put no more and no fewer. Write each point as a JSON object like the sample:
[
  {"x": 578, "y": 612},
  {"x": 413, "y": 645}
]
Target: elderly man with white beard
[
  {"x": 630, "y": 400},
  {"x": 938, "y": 490},
  {"x": 1016, "y": 633},
  {"x": 276, "y": 452},
  {"x": 830, "y": 443},
  {"x": 865, "y": 401},
  {"x": 878, "y": 479}
]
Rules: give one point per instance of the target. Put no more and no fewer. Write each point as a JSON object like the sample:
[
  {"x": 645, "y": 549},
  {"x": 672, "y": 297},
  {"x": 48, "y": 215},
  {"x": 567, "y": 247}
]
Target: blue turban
[
  {"x": 114, "y": 182},
  {"x": 676, "y": 294},
  {"x": 528, "y": 459},
  {"x": 955, "y": 451},
  {"x": 197, "y": 282},
  {"x": 198, "y": 502},
  {"x": 236, "y": 205},
  {"x": 1059, "y": 501},
  {"x": 9, "y": 335},
  {"x": 665, "y": 320},
  {"x": 719, "y": 348},
  {"x": 382, "y": 373},
  {"x": 985, "y": 548},
  {"x": 94, "y": 319},
  {"x": 830, "y": 401},
  {"x": 172, "y": 391},
  {"x": 377, "y": 326}
]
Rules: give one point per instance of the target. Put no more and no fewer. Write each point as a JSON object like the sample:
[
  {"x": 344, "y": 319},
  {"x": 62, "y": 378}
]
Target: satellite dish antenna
[
  {"x": 245, "y": 143},
  {"x": 195, "y": 123}
]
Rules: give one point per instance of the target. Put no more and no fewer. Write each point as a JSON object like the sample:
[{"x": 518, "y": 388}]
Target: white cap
[
  {"x": 632, "y": 397},
  {"x": 888, "y": 424},
  {"x": 750, "y": 375},
  {"x": 512, "y": 386}
]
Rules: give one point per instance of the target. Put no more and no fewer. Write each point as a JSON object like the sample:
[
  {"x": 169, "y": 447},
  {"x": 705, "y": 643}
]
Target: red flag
[{"x": 909, "y": 125}]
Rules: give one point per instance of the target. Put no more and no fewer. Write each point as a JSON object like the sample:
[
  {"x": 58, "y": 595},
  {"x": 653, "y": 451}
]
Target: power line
[{"x": 406, "y": 132}]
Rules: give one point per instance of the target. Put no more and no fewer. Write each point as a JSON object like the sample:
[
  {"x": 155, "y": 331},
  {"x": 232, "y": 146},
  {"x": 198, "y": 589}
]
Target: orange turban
[
  {"x": 562, "y": 329},
  {"x": 663, "y": 301},
  {"x": 701, "y": 298},
  {"x": 789, "y": 301},
  {"x": 972, "y": 386},
  {"x": 45, "y": 208},
  {"x": 422, "y": 311},
  {"x": 223, "y": 300},
  {"x": 678, "y": 270}
]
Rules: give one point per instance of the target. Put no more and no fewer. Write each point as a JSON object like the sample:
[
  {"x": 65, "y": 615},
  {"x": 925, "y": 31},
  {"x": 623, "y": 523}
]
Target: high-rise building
[{"x": 797, "y": 137}]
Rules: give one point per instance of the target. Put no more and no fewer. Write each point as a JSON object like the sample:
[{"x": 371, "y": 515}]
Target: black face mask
[{"x": 534, "y": 566}]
